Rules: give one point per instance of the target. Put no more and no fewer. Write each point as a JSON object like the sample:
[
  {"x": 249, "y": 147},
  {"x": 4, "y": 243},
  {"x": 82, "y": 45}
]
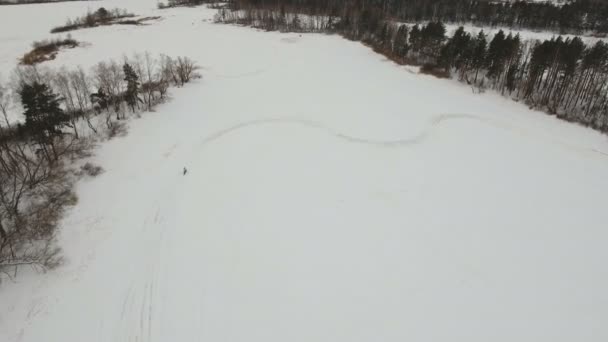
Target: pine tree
[
  {"x": 454, "y": 48},
  {"x": 131, "y": 95},
  {"x": 496, "y": 53},
  {"x": 382, "y": 37},
  {"x": 479, "y": 53},
  {"x": 44, "y": 117},
  {"x": 415, "y": 41},
  {"x": 432, "y": 37},
  {"x": 401, "y": 46}
]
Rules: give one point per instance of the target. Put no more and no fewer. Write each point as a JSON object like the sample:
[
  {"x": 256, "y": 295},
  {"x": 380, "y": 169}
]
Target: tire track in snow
[
  {"x": 241, "y": 75},
  {"x": 138, "y": 312},
  {"x": 433, "y": 123}
]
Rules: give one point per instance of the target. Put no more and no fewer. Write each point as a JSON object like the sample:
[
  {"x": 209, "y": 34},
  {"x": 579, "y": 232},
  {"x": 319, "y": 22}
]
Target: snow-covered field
[
  {"x": 331, "y": 196},
  {"x": 21, "y": 25}
]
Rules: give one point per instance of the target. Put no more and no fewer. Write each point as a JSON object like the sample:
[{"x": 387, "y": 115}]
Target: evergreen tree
[
  {"x": 479, "y": 53},
  {"x": 415, "y": 39},
  {"x": 383, "y": 37},
  {"x": 131, "y": 95},
  {"x": 454, "y": 48},
  {"x": 102, "y": 14},
  {"x": 432, "y": 37},
  {"x": 44, "y": 117},
  {"x": 401, "y": 46},
  {"x": 496, "y": 53}
]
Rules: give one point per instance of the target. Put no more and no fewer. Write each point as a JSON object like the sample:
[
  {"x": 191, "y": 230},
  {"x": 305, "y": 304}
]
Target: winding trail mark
[{"x": 433, "y": 123}]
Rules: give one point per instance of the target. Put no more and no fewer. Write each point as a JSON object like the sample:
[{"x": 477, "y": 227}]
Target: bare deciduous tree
[{"x": 186, "y": 69}]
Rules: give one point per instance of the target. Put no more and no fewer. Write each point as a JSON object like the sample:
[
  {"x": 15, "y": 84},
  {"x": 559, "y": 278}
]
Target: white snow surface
[{"x": 331, "y": 196}]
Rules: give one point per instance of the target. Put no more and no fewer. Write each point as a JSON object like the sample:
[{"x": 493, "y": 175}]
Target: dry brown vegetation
[
  {"x": 434, "y": 70},
  {"x": 47, "y": 50},
  {"x": 94, "y": 19}
]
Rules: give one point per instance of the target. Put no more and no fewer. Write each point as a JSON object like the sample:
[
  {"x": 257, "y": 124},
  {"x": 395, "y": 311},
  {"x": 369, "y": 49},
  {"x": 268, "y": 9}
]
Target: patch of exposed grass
[{"x": 47, "y": 50}]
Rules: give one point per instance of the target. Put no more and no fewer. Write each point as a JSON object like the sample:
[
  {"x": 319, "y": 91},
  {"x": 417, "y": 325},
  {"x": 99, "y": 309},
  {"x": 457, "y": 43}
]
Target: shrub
[
  {"x": 46, "y": 50},
  {"x": 116, "y": 129},
  {"x": 434, "y": 70},
  {"x": 91, "y": 169}
]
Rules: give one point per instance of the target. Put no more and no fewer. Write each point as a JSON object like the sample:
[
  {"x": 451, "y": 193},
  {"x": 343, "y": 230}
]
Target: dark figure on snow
[{"x": 185, "y": 171}]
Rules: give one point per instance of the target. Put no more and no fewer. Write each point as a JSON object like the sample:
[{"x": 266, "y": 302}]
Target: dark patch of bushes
[
  {"x": 139, "y": 21},
  {"x": 28, "y": 2},
  {"x": 94, "y": 19},
  {"x": 47, "y": 50},
  {"x": 91, "y": 170},
  {"x": 184, "y": 3},
  {"x": 434, "y": 70}
]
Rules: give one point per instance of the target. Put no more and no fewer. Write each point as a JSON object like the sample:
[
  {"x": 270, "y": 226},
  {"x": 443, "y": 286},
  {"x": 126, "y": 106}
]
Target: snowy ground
[
  {"x": 21, "y": 25},
  {"x": 331, "y": 196}
]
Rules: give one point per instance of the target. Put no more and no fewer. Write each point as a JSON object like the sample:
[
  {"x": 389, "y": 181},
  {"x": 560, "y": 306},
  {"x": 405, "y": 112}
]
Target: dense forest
[
  {"x": 571, "y": 17},
  {"x": 562, "y": 76},
  {"x": 27, "y": 2}
]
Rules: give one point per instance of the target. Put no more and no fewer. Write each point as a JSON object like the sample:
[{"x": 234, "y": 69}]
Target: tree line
[
  {"x": 184, "y": 3},
  {"x": 562, "y": 76},
  {"x": 64, "y": 111},
  {"x": 575, "y": 16},
  {"x": 27, "y": 2}
]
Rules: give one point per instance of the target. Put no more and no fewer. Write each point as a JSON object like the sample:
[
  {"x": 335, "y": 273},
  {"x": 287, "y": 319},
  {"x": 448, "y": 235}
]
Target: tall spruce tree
[
  {"x": 131, "y": 95},
  {"x": 44, "y": 117},
  {"x": 415, "y": 39},
  {"x": 496, "y": 54},
  {"x": 401, "y": 45},
  {"x": 479, "y": 53}
]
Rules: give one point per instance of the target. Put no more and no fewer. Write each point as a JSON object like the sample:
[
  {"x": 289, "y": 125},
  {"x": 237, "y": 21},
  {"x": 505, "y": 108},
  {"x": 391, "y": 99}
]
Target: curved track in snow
[
  {"x": 418, "y": 138},
  {"x": 425, "y": 133}
]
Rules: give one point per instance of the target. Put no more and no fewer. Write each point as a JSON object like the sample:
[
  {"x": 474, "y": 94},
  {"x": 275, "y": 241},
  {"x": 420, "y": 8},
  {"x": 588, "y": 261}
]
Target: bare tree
[
  {"x": 62, "y": 84},
  {"x": 149, "y": 80},
  {"x": 5, "y": 101},
  {"x": 186, "y": 70},
  {"x": 80, "y": 85}
]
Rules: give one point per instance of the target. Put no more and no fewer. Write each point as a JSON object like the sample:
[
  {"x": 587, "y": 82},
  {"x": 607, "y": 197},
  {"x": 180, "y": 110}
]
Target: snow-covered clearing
[
  {"x": 21, "y": 25},
  {"x": 331, "y": 196}
]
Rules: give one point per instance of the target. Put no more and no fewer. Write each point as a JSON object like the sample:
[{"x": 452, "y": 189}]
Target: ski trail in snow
[
  {"x": 241, "y": 75},
  {"x": 137, "y": 317},
  {"x": 433, "y": 123}
]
